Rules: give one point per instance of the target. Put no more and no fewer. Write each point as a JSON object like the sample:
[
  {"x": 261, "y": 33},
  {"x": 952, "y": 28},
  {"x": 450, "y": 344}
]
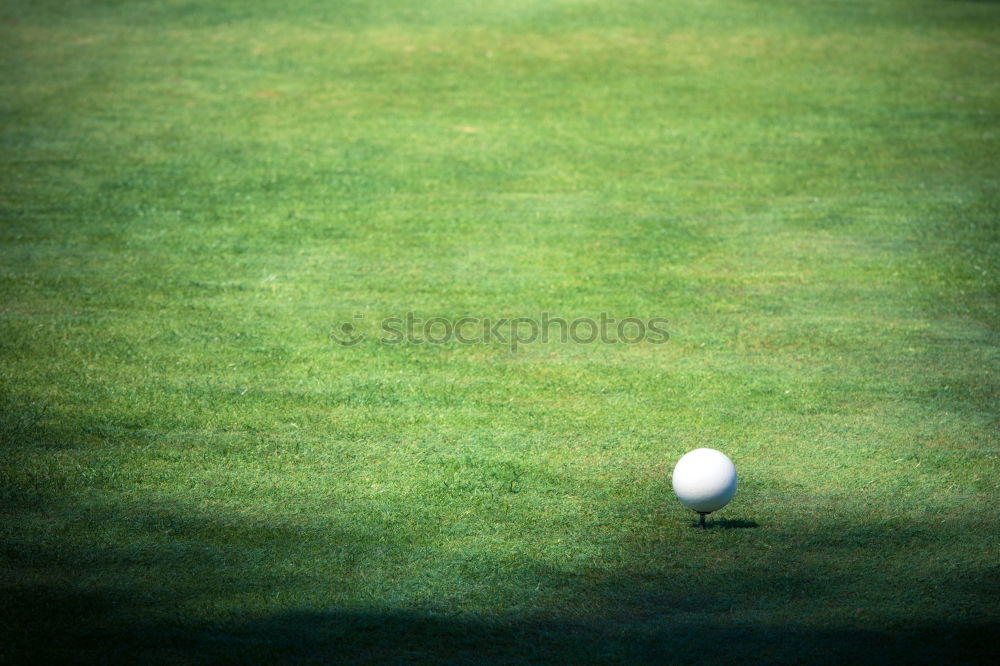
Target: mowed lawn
[{"x": 201, "y": 202}]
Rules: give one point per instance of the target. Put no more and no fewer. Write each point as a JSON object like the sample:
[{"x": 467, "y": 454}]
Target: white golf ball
[{"x": 704, "y": 480}]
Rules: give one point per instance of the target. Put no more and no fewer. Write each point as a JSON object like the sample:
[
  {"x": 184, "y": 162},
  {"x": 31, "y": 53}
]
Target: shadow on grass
[
  {"x": 383, "y": 636},
  {"x": 119, "y": 581},
  {"x": 727, "y": 524},
  {"x": 134, "y": 600}
]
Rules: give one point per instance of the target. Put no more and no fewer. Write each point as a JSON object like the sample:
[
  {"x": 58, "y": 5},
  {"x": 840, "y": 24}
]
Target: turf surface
[{"x": 199, "y": 202}]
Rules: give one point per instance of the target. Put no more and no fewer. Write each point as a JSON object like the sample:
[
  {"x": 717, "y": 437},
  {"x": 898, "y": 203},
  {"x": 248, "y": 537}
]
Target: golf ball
[{"x": 704, "y": 480}]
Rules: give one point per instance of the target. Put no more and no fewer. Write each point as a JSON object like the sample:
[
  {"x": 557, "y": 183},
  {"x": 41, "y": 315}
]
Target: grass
[{"x": 194, "y": 198}]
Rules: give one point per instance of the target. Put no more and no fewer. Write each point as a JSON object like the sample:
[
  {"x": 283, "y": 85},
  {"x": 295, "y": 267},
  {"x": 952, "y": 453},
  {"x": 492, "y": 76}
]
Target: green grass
[{"x": 195, "y": 196}]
